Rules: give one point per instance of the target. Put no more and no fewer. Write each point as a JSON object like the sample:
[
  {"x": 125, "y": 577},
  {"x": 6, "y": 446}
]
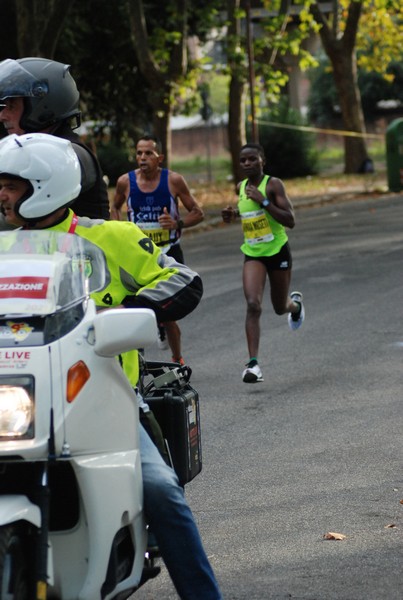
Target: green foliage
[
  {"x": 290, "y": 152},
  {"x": 323, "y": 95},
  {"x": 283, "y": 37},
  {"x": 219, "y": 85},
  {"x": 106, "y": 69},
  {"x": 373, "y": 86},
  {"x": 380, "y": 34},
  {"x": 111, "y": 86},
  {"x": 114, "y": 161},
  {"x": 8, "y": 38}
]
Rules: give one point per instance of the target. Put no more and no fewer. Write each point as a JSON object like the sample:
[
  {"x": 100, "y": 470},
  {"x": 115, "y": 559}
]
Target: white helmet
[{"x": 49, "y": 164}]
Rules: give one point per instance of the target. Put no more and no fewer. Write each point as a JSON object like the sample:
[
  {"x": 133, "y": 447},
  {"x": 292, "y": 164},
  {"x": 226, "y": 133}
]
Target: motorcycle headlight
[{"x": 17, "y": 408}]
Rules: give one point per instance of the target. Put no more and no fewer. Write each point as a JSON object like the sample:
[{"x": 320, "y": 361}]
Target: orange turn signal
[{"x": 77, "y": 376}]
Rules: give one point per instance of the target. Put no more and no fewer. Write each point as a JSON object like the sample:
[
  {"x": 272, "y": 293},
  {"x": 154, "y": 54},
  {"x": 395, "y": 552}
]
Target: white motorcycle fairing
[
  {"x": 16, "y": 508},
  {"x": 69, "y": 419}
]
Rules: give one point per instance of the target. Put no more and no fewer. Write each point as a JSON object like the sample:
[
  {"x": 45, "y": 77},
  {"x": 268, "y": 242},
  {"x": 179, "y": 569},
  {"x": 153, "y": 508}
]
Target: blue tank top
[{"x": 144, "y": 208}]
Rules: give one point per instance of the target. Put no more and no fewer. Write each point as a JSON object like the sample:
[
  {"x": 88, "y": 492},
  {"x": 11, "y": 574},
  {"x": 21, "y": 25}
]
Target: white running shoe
[
  {"x": 162, "y": 344},
  {"x": 162, "y": 338},
  {"x": 252, "y": 374},
  {"x": 295, "y": 320}
]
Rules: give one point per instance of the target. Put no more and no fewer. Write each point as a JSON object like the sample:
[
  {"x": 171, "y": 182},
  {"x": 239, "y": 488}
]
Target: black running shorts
[{"x": 282, "y": 261}]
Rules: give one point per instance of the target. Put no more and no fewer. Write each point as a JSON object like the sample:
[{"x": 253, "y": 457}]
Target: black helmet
[{"x": 49, "y": 91}]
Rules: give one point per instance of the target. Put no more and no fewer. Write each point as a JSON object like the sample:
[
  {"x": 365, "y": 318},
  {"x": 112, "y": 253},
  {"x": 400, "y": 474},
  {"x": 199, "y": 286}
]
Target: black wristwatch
[
  {"x": 181, "y": 224},
  {"x": 265, "y": 203}
]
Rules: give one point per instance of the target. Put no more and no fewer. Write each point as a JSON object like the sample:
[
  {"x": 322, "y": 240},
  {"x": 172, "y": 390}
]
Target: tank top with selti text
[{"x": 144, "y": 208}]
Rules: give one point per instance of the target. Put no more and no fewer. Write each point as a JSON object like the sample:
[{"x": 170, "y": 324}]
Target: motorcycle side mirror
[{"x": 120, "y": 330}]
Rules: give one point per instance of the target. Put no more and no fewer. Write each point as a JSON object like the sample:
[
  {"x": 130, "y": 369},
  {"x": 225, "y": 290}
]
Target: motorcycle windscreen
[{"x": 44, "y": 272}]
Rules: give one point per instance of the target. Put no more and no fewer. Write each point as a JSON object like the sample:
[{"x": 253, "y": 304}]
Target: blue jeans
[{"x": 173, "y": 525}]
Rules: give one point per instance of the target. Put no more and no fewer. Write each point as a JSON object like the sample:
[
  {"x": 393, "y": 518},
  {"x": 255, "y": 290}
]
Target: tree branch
[
  {"x": 329, "y": 40},
  {"x": 353, "y": 18},
  {"x": 147, "y": 63},
  {"x": 54, "y": 26},
  {"x": 39, "y": 25},
  {"x": 178, "y": 62}
]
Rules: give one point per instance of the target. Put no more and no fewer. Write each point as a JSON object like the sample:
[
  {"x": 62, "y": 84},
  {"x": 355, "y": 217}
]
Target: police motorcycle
[{"x": 71, "y": 500}]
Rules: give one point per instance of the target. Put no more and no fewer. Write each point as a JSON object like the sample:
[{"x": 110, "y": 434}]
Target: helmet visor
[{"x": 15, "y": 81}]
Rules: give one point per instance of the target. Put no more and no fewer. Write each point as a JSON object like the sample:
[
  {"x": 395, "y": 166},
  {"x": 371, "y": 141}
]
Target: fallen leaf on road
[
  {"x": 390, "y": 526},
  {"x": 401, "y": 501},
  {"x": 331, "y": 535}
]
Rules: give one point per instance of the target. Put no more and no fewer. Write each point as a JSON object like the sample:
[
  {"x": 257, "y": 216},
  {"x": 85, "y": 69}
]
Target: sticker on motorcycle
[
  {"x": 17, "y": 331},
  {"x": 23, "y": 287},
  {"x": 28, "y": 287},
  {"x": 82, "y": 264}
]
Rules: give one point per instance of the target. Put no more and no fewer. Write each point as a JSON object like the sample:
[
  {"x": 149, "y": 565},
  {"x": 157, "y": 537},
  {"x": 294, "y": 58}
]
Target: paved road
[{"x": 317, "y": 447}]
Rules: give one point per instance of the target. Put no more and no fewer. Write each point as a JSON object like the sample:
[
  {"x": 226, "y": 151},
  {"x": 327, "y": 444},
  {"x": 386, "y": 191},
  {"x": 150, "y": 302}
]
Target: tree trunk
[
  {"x": 237, "y": 89},
  {"x": 345, "y": 78},
  {"x": 160, "y": 82},
  {"x": 340, "y": 48},
  {"x": 39, "y": 25},
  {"x": 236, "y": 123},
  {"x": 162, "y": 119}
]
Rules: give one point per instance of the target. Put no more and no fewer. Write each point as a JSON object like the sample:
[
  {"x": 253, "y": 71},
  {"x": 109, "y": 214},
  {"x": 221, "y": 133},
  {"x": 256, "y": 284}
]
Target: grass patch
[
  {"x": 213, "y": 188},
  {"x": 200, "y": 170},
  {"x": 211, "y": 183},
  {"x": 331, "y": 155}
]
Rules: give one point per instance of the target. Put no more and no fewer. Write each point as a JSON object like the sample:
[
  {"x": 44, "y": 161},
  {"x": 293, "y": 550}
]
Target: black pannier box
[{"x": 177, "y": 412}]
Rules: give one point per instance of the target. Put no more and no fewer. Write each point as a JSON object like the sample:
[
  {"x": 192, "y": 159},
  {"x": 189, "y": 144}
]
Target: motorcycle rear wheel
[{"x": 14, "y": 571}]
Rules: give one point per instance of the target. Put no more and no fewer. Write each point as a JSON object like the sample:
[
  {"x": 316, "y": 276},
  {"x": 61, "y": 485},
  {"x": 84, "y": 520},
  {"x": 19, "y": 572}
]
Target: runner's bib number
[
  {"x": 256, "y": 227},
  {"x": 159, "y": 236}
]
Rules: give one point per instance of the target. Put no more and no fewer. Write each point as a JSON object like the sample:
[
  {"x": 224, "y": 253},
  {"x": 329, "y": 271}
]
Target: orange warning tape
[{"x": 319, "y": 130}]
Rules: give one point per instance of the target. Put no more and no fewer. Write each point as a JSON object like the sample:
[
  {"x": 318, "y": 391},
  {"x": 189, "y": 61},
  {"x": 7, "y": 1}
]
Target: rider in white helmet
[{"x": 51, "y": 183}]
